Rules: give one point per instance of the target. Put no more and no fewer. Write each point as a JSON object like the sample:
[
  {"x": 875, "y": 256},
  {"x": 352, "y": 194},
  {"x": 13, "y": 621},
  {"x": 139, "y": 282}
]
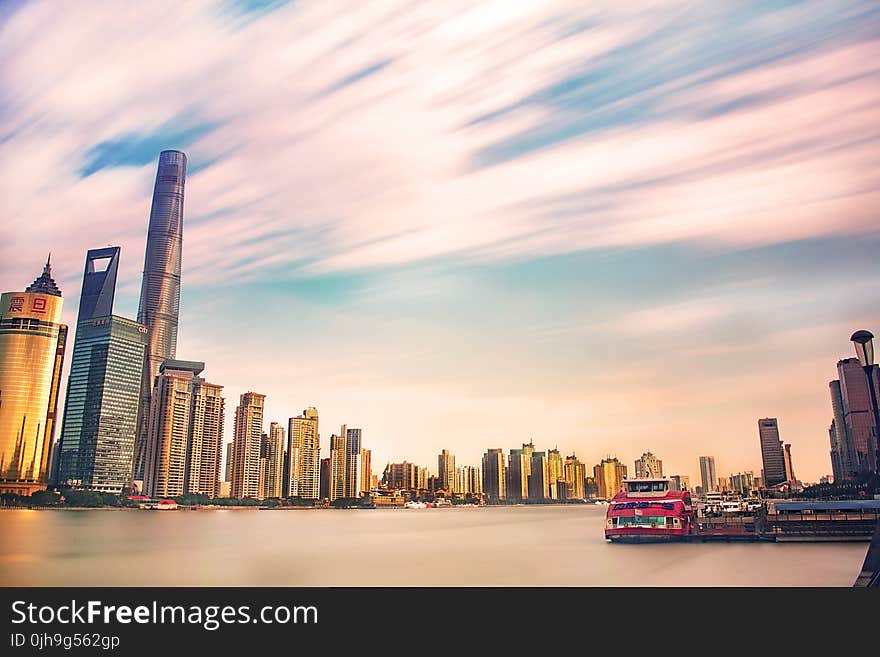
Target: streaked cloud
[{"x": 494, "y": 191}]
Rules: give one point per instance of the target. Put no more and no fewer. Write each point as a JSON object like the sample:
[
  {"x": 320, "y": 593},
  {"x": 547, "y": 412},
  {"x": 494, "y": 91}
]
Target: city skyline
[{"x": 665, "y": 303}]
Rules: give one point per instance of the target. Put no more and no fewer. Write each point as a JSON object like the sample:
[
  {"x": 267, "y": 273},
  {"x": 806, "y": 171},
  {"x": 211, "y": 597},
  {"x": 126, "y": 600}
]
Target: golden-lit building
[
  {"x": 247, "y": 445},
  {"x": 575, "y": 474},
  {"x": 32, "y": 342},
  {"x": 304, "y": 455},
  {"x": 366, "y": 471},
  {"x": 555, "y": 472},
  {"x": 609, "y": 475},
  {"x": 184, "y": 432}
]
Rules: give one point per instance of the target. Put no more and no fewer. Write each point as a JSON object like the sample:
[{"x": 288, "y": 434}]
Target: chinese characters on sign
[{"x": 16, "y": 304}]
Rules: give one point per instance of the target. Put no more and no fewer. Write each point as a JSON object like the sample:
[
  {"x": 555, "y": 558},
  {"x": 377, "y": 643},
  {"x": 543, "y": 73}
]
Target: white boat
[{"x": 415, "y": 505}]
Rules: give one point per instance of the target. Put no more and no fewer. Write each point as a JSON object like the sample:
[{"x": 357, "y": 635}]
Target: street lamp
[{"x": 864, "y": 344}]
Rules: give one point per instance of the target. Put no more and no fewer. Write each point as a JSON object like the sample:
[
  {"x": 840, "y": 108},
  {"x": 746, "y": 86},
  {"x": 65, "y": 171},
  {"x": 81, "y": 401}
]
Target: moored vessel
[{"x": 647, "y": 510}]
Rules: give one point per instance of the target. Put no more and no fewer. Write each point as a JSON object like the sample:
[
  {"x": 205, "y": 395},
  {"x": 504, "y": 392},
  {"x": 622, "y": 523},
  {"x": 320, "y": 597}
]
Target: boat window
[
  {"x": 646, "y": 486},
  {"x": 642, "y": 521}
]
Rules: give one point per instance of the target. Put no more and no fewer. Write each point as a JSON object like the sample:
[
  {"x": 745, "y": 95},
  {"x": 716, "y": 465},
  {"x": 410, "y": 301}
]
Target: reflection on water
[{"x": 532, "y": 546}]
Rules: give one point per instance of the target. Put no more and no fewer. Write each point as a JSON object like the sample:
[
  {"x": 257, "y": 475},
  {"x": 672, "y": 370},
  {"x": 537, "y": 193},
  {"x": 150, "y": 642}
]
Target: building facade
[
  {"x": 518, "y": 467},
  {"x": 446, "y": 471},
  {"x": 366, "y": 470},
  {"x": 247, "y": 445},
  {"x": 184, "y": 433},
  {"x": 855, "y": 429},
  {"x": 772, "y": 454},
  {"x": 353, "y": 446},
  {"x": 609, "y": 476},
  {"x": 96, "y": 448},
  {"x": 304, "y": 455},
  {"x": 337, "y": 466},
  {"x": 708, "y": 477},
  {"x": 274, "y": 451},
  {"x": 494, "y": 475},
  {"x": 32, "y": 344},
  {"x": 575, "y": 473},
  {"x": 648, "y": 466},
  {"x": 159, "y": 305}
]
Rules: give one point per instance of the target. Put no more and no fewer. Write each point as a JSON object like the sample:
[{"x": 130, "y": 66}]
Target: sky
[{"x": 608, "y": 227}]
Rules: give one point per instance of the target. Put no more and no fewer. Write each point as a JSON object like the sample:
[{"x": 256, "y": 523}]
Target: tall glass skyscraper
[
  {"x": 32, "y": 342},
  {"x": 103, "y": 390},
  {"x": 160, "y": 286},
  {"x": 772, "y": 454}
]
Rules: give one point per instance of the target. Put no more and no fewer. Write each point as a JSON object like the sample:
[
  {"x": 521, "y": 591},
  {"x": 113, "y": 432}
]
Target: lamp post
[{"x": 864, "y": 344}]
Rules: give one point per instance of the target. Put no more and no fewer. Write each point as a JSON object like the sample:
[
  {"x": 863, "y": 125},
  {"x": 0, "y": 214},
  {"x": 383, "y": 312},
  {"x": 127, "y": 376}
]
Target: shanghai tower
[{"x": 160, "y": 287}]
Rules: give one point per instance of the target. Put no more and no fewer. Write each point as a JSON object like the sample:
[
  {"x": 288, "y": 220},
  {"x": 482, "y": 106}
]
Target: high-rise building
[
  {"x": 468, "y": 481},
  {"x": 789, "y": 468},
  {"x": 32, "y": 343},
  {"x": 742, "y": 482},
  {"x": 422, "y": 479},
  {"x": 842, "y": 452},
  {"x": 366, "y": 471},
  {"x": 229, "y": 457},
  {"x": 575, "y": 473},
  {"x": 539, "y": 477},
  {"x": 184, "y": 432},
  {"x": 204, "y": 449},
  {"x": 96, "y": 447},
  {"x": 353, "y": 447},
  {"x": 518, "y": 467},
  {"x": 248, "y": 441},
  {"x": 494, "y": 475},
  {"x": 609, "y": 476},
  {"x": 402, "y": 476},
  {"x": 337, "y": 466},
  {"x": 648, "y": 466},
  {"x": 771, "y": 451},
  {"x": 707, "y": 474},
  {"x": 274, "y": 449},
  {"x": 446, "y": 471},
  {"x": 324, "y": 486},
  {"x": 304, "y": 455},
  {"x": 160, "y": 286},
  {"x": 555, "y": 472},
  {"x": 856, "y": 427}
]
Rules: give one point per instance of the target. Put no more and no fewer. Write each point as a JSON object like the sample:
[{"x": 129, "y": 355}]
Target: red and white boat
[{"x": 647, "y": 510}]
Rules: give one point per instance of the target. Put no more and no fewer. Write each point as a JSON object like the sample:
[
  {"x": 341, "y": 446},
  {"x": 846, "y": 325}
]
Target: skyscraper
[
  {"x": 842, "y": 455},
  {"x": 304, "y": 455},
  {"x": 555, "y": 472},
  {"x": 494, "y": 475},
  {"x": 353, "y": 447},
  {"x": 274, "y": 448},
  {"x": 518, "y": 468},
  {"x": 575, "y": 473},
  {"x": 366, "y": 470},
  {"x": 184, "y": 432},
  {"x": 247, "y": 441},
  {"x": 228, "y": 467},
  {"x": 324, "y": 489},
  {"x": 337, "y": 466},
  {"x": 160, "y": 287},
  {"x": 204, "y": 447},
  {"x": 771, "y": 451},
  {"x": 446, "y": 471},
  {"x": 32, "y": 343},
  {"x": 539, "y": 477},
  {"x": 857, "y": 426},
  {"x": 609, "y": 476},
  {"x": 648, "y": 466},
  {"x": 707, "y": 474},
  {"x": 789, "y": 467},
  {"x": 96, "y": 447}
]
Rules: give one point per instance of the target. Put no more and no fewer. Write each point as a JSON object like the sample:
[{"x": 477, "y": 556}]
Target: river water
[{"x": 495, "y": 546}]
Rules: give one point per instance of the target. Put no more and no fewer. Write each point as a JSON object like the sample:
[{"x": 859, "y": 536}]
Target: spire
[{"x": 44, "y": 283}]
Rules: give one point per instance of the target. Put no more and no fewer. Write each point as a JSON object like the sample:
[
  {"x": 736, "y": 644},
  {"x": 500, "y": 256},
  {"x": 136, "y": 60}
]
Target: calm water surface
[{"x": 532, "y": 546}]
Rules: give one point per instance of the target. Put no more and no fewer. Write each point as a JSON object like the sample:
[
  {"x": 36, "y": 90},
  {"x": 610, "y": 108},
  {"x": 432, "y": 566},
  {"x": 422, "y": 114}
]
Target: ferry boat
[{"x": 648, "y": 510}]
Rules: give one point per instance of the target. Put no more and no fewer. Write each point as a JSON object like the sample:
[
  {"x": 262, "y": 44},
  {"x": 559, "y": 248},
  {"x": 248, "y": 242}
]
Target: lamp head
[{"x": 864, "y": 344}]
